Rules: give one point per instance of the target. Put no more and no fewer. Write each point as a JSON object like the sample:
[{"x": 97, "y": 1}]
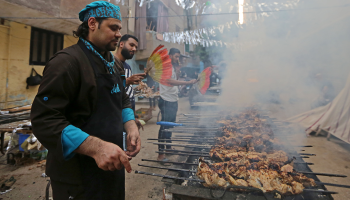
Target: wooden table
[{"x": 9, "y": 128}]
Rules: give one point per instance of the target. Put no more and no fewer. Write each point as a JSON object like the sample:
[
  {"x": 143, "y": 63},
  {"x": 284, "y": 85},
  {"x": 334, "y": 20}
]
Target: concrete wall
[
  {"x": 14, "y": 64},
  {"x": 51, "y": 7},
  {"x": 174, "y": 9}
]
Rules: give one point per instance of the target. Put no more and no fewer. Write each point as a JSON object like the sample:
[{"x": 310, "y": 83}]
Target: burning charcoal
[
  {"x": 243, "y": 144},
  {"x": 260, "y": 148}
]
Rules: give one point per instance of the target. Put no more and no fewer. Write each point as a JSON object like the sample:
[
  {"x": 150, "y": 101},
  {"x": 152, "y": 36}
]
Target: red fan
[
  {"x": 159, "y": 65},
  {"x": 204, "y": 80}
]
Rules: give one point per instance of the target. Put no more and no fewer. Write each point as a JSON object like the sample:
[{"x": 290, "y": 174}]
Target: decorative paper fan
[
  {"x": 204, "y": 80},
  {"x": 159, "y": 65}
]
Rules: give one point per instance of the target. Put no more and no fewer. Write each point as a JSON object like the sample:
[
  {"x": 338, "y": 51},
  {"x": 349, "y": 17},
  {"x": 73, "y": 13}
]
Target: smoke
[{"x": 279, "y": 56}]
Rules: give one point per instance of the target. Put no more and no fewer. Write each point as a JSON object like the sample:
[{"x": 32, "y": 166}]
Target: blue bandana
[
  {"x": 100, "y": 9},
  {"x": 109, "y": 65}
]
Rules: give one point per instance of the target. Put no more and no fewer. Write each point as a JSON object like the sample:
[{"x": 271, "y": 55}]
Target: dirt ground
[{"x": 331, "y": 157}]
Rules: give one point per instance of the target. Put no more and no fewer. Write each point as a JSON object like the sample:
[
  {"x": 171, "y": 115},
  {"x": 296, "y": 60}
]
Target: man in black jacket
[{"x": 81, "y": 109}]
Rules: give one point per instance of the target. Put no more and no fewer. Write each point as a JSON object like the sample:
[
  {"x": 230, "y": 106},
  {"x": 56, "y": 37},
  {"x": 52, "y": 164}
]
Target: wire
[{"x": 193, "y": 15}]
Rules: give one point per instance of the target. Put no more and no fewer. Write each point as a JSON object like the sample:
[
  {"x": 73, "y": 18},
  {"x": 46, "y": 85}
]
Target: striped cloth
[{"x": 129, "y": 90}]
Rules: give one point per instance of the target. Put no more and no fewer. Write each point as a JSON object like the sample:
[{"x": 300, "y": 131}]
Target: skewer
[
  {"x": 307, "y": 154},
  {"x": 174, "y": 150},
  {"x": 325, "y": 174},
  {"x": 332, "y": 184},
  {"x": 181, "y": 140},
  {"x": 200, "y": 115},
  {"x": 182, "y": 154},
  {"x": 197, "y": 146},
  {"x": 193, "y": 136},
  {"x": 308, "y": 163},
  {"x": 305, "y": 146},
  {"x": 167, "y": 176},
  {"x": 194, "y": 128},
  {"x": 189, "y": 131},
  {"x": 206, "y": 152},
  {"x": 201, "y": 155},
  {"x": 171, "y": 169},
  {"x": 176, "y": 163},
  {"x": 195, "y": 171},
  {"x": 321, "y": 191},
  {"x": 183, "y": 145},
  {"x": 233, "y": 186}
]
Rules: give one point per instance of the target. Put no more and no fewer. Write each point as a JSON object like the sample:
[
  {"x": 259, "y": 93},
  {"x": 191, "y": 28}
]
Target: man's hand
[
  {"x": 138, "y": 123},
  {"x": 108, "y": 156},
  {"x": 193, "y": 81},
  {"x": 135, "y": 79},
  {"x": 133, "y": 140}
]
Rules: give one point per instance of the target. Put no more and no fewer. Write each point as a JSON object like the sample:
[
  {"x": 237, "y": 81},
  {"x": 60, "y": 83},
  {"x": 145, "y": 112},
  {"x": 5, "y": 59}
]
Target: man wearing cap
[
  {"x": 168, "y": 100},
  {"x": 81, "y": 109}
]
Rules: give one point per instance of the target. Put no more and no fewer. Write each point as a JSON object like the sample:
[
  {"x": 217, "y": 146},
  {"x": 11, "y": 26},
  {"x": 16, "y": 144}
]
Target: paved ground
[{"x": 332, "y": 157}]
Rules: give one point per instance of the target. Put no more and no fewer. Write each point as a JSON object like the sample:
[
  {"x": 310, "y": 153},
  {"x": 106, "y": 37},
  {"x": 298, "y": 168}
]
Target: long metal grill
[{"x": 197, "y": 138}]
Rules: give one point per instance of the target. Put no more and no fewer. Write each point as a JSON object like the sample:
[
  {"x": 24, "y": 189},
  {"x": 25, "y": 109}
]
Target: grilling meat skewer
[
  {"x": 248, "y": 154},
  {"x": 265, "y": 179}
]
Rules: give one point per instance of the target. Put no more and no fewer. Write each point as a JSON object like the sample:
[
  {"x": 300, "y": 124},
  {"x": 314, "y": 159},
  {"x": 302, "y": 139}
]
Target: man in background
[
  {"x": 195, "y": 62},
  {"x": 168, "y": 100},
  {"x": 150, "y": 83},
  {"x": 126, "y": 50}
]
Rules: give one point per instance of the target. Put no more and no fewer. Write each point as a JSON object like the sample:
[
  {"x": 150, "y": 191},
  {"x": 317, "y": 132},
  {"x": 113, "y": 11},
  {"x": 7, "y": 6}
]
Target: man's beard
[
  {"x": 126, "y": 53},
  {"x": 175, "y": 63},
  {"x": 111, "y": 47}
]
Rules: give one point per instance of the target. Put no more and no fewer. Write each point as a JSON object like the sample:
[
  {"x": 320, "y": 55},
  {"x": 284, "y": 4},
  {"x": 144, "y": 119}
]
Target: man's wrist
[
  {"x": 90, "y": 146},
  {"x": 127, "y": 82},
  {"x": 130, "y": 126}
]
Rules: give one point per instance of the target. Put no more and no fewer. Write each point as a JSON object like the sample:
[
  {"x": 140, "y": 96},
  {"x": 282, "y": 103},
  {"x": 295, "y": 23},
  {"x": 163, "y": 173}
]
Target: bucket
[{"x": 21, "y": 139}]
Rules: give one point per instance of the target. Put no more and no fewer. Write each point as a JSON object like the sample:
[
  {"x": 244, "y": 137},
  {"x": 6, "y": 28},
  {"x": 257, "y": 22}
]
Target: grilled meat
[
  {"x": 248, "y": 154},
  {"x": 265, "y": 179}
]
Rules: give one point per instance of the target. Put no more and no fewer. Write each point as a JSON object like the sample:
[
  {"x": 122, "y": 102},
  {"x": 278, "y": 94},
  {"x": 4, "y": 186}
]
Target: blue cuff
[
  {"x": 71, "y": 139},
  {"x": 127, "y": 114}
]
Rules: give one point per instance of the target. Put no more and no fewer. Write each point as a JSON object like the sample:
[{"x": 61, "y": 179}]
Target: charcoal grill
[{"x": 183, "y": 184}]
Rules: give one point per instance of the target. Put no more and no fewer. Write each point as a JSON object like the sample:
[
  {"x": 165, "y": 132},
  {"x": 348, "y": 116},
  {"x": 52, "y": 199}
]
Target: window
[
  {"x": 152, "y": 16},
  {"x": 43, "y": 45}
]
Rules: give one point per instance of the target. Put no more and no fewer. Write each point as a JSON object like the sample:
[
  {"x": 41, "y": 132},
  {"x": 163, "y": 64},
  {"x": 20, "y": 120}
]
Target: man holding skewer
[
  {"x": 168, "y": 101},
  {"x": 81, "y": 109},
  {"x": 126, "y": 50}
]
